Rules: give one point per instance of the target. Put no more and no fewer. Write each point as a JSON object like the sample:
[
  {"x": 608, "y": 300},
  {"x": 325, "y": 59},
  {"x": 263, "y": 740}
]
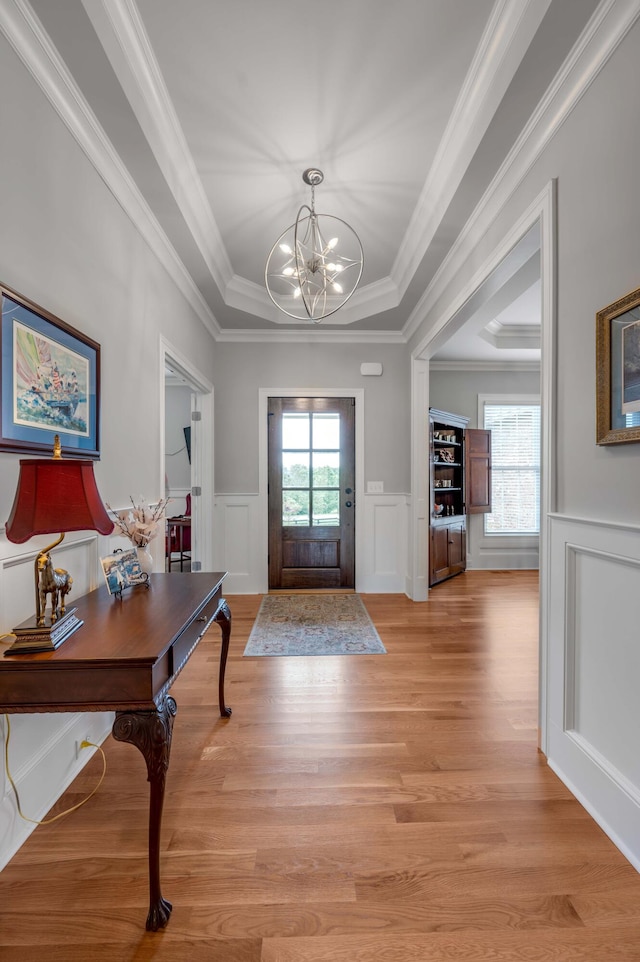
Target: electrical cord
[{"x": 47, "y": 821}]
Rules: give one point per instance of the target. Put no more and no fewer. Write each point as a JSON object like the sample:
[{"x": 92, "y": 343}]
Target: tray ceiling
[{"x": 214, "y": 109}]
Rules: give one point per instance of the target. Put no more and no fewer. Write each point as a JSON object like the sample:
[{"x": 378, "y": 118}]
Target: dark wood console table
[{"x": 125, "y": 658}]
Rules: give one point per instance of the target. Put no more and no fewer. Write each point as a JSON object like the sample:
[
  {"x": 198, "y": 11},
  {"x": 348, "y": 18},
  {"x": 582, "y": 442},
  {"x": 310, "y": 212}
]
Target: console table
[{"x": 125, "y": 658}]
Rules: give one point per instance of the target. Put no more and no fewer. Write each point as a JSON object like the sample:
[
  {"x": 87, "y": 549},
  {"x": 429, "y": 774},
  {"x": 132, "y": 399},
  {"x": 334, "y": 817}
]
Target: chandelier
[{"x": 307, "y": 275}]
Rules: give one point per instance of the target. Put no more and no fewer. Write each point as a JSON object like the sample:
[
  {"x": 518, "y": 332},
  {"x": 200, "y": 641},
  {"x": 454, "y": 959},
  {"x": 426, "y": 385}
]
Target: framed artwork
[
  {"x": 49, "y": 382},
  {"x": 618, "y": 371}
]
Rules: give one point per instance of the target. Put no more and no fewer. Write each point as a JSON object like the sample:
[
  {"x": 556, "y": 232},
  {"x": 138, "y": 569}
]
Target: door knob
[{"x": 347, "y": 504}]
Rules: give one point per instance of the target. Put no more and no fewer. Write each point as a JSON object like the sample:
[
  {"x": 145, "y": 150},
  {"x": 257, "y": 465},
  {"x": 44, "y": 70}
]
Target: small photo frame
[
  {"x": 122, "y": 570},
  {"x": 618, "y": 371}
]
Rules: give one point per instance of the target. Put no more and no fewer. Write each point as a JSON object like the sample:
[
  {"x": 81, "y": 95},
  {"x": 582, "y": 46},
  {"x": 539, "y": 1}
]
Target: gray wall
[
  {"x": 593, "y": 157},
  {"x": 241, "y": 369},
  {"x": 457, "y": 391},
  {"x": 67, "y": 244}
]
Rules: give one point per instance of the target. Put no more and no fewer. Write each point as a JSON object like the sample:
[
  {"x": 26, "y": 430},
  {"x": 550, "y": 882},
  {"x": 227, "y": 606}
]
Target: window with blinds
[{"x": 515, "y": 468}]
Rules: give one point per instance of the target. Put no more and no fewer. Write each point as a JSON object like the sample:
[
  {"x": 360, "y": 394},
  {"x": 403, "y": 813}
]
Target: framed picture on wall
[
  {"x": 618, "y": 371},
  {"x": 49, "y": 382}
]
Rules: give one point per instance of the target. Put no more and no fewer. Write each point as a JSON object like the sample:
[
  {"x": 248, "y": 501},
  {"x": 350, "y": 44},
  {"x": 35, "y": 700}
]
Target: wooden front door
[{"x": 311, "y": 492}]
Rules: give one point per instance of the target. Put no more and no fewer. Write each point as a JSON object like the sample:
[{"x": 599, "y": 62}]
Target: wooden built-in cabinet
[{"x": 459, "y": 484}]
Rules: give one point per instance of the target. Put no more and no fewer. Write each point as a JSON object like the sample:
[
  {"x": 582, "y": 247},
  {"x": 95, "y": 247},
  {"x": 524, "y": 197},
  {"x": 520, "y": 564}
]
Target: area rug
[{"x": 313, "y": 624}]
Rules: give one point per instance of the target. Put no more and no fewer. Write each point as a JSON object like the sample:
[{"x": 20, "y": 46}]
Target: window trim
[{"x": 529, "y": 538}]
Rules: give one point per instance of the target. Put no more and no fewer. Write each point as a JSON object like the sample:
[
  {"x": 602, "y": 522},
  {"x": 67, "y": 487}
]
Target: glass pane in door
[
  {"x": 326, "y": 508},
  {"x": 326, "y": 487},
  {"x": 295, "y": 432},
  {"x": 295, "y": 508},
  {"x": 326, "y": 431},
  {"x": 310, "y": 469},
  {"x": 295, "y": 469}
]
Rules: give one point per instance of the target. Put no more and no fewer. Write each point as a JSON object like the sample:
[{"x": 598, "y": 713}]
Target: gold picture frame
[{"x": 618, "y": 371}]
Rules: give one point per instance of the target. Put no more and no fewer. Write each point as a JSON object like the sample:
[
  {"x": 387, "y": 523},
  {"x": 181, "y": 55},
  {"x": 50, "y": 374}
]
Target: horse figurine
[{"x": 55, "y": 582}]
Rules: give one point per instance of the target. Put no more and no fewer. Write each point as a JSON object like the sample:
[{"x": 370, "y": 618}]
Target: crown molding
[
  {"x": 122, "y": 34},
  {"x": 508, "y": 34},
  {"x": 506, "y": 38},
  {"x": 609, "y": 24},
  {"x": 252, "y": 298},
  {"x": 314, "y": 335},
  {"x": 607, "y": 27},
  {"x": 29, "y": 40},
  {"x": 454, "y": 365},
  {"x": 120, "y": 29},
  {"x": 510, "y": 336}
]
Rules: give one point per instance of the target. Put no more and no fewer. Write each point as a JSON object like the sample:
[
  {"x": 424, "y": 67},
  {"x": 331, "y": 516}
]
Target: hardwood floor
[{"x": 356, "y": 808}]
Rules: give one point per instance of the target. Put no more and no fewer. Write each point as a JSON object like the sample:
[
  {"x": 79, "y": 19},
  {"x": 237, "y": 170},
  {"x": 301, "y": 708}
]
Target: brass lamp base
[{"x": 31, "y": 638}]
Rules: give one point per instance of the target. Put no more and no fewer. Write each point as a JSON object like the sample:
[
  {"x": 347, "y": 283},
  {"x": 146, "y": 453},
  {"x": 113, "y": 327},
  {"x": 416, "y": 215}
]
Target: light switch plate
[{"x": 375, "y": 487}]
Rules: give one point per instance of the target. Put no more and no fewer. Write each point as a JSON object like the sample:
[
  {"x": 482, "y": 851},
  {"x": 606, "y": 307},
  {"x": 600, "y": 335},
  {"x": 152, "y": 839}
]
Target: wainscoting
[
  {"x": 594, "y": 670},
  {"x": 240, "y": 543},
  {"x": 382, "y": 544},
  {"x": 499, "y": 552}
]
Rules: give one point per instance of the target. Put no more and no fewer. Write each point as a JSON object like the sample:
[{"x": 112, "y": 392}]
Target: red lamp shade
[{"x": 56, "y": 495}]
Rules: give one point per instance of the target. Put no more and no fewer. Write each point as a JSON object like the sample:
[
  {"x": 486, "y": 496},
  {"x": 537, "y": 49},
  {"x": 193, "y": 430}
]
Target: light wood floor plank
[{"x": 352, "y": 809}]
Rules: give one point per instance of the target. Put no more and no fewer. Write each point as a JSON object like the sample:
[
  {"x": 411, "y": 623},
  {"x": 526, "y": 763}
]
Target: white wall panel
[
  {"x": 380, "y": 563},
  {"x": 238, "y": 545},
  {"x": 382, "y": 566},
  {"x": 594, "y": 659},
  {"x": 499, "y": 552},
  {"x": 602, "y": 700}
]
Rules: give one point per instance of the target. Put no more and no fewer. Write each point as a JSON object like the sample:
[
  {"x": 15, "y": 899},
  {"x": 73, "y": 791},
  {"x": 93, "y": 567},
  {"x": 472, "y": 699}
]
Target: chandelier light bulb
[{"x": 299, "y": 277}]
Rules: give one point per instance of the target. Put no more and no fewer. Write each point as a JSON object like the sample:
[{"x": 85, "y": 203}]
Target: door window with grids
[
  {"x": 310, "y": 469},
  {"x": 515, "y": 465}
]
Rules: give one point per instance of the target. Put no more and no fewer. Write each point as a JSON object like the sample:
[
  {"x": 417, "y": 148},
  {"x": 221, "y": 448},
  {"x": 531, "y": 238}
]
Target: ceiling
[{"x": 215, "y": 107}]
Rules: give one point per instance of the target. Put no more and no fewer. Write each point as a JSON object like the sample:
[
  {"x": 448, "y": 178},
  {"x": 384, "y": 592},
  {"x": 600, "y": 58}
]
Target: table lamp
[{"x": 55, "y": 494}]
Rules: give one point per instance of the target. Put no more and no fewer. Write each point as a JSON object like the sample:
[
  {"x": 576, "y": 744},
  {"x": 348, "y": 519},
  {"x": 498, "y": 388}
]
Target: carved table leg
[
  {"x": 222, "y": 617},
  {"x": 151, "y": 731}
]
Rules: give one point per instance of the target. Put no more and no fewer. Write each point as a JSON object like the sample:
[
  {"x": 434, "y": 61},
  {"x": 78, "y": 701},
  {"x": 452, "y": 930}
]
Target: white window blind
[{"x": 515, "y": 468}]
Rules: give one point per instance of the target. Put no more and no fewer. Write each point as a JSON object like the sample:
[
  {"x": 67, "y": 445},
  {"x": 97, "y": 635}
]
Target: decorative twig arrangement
[{"x": 140, "y": 523}]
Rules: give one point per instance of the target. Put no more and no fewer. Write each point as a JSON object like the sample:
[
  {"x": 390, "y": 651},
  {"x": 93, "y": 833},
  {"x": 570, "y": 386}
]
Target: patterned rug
[{"x": 312, "y": 624}]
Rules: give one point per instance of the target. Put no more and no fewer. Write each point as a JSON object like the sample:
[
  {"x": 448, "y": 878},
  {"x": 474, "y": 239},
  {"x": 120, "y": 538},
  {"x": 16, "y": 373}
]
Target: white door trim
[
  {"x": 202, "y": 446},
  {"x": 541, "y": 211},
  {"x": 264, "y": 394}
]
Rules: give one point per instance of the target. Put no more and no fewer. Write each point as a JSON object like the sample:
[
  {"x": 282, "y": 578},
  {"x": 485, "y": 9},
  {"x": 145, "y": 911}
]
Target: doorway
[
  {"x": 179, "y": 400},
  {"x": 541, "y": 215},
  {"x": 311, "y": 492},
  {"x": 197, "y": 478}
]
